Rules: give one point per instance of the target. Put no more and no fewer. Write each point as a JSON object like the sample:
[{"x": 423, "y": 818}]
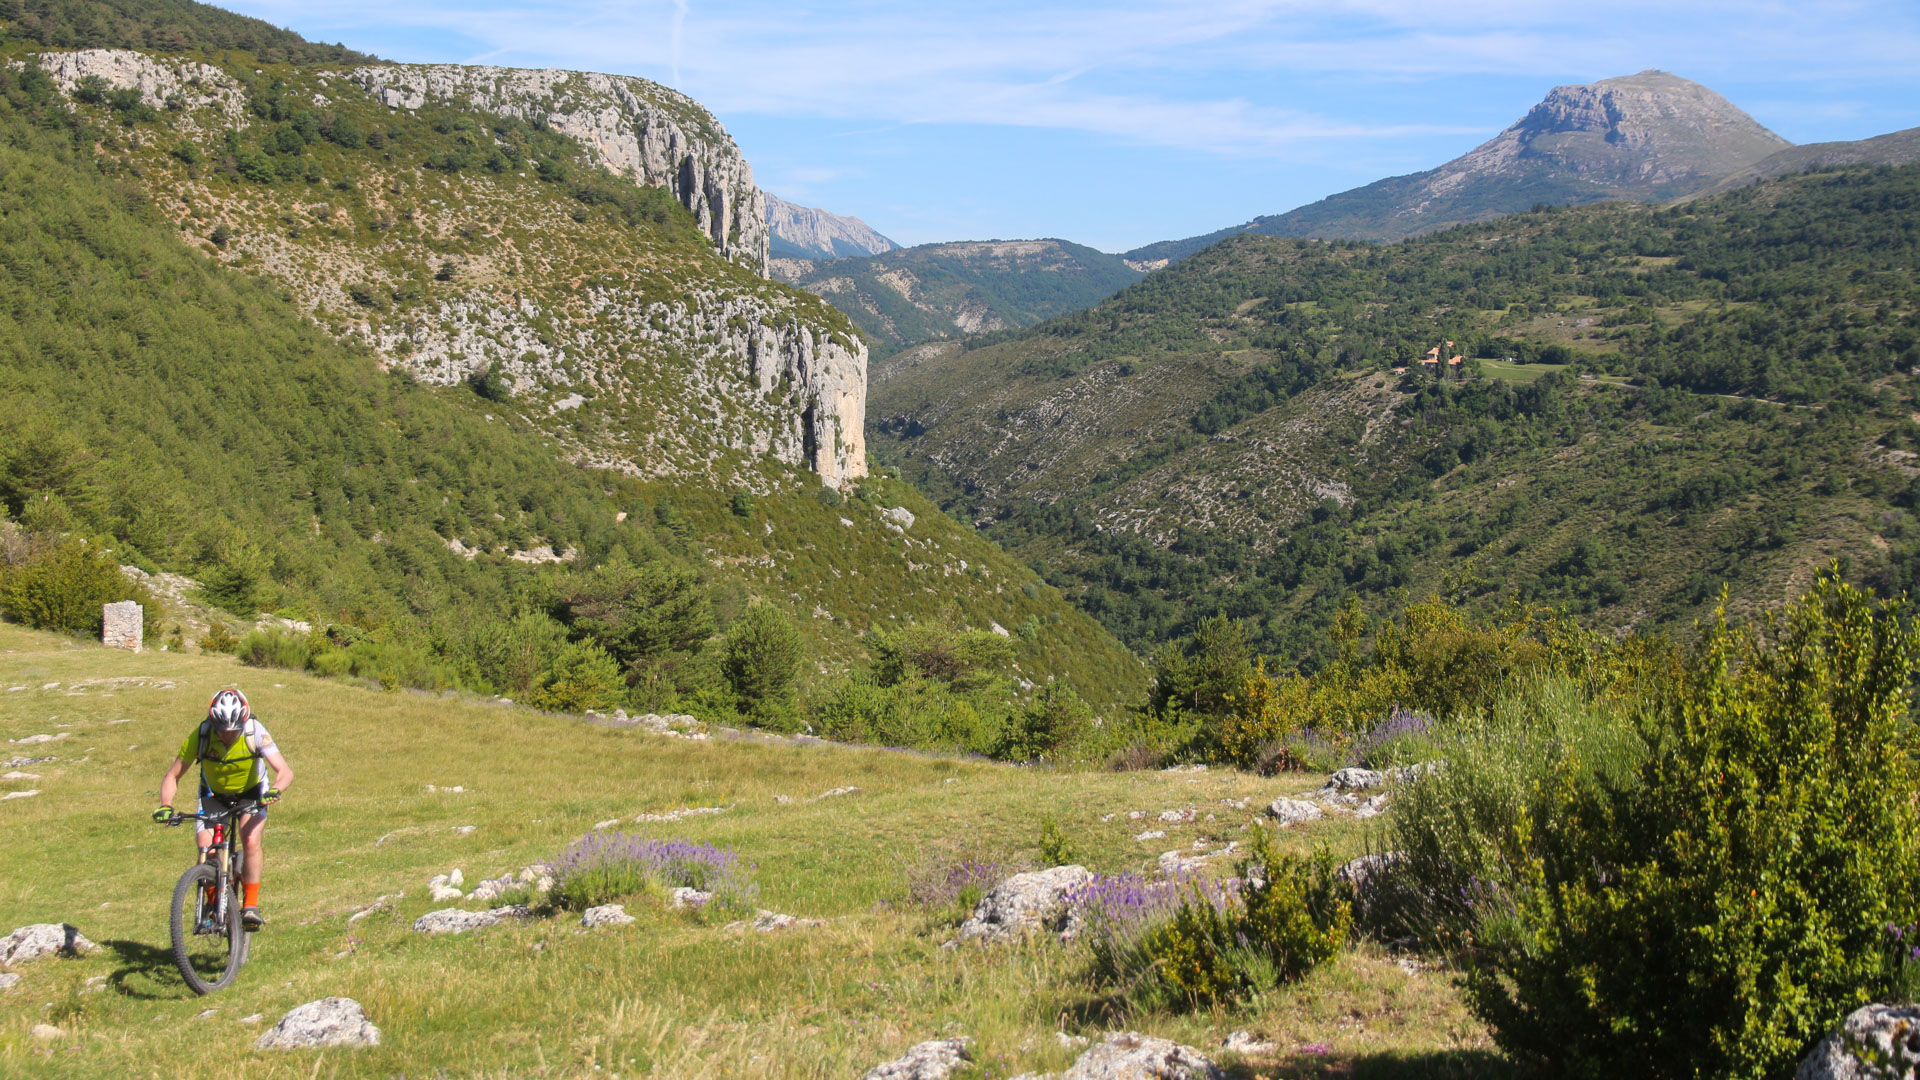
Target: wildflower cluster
[
  {"x": 1113, "y": 913},
  {"x": 1393, "y": 741},
  {"x": 1903, "y": 961},
  {"x": 602, "y": 865}
]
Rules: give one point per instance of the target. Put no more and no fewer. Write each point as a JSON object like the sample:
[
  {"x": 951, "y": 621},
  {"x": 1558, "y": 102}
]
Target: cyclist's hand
[
  {"x": 273, "y": 795},
  {"x": 161, "y": 815}
]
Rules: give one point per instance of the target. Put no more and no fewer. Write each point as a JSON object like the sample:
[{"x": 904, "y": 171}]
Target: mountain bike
[{"x": 209, "y": 944}]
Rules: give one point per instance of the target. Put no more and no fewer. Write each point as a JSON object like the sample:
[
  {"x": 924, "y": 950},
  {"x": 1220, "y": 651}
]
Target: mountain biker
[{"x": 234, "y": 752}]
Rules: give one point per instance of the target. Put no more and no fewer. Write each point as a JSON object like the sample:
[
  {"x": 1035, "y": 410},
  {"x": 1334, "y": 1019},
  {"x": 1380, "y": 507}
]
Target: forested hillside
[
  {"x": 162, "y": 26},
  {"x": 1651, "y": 403},
  {"x": 203, "y": 334}
]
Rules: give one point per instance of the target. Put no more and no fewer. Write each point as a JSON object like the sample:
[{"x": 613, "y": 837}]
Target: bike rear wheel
[{"x": 207, "y": 948}]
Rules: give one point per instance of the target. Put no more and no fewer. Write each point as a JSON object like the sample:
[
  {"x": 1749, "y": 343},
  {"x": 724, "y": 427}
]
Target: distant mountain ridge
[
  {"x": 1649, "y": 137},
  {"x": 806, "y": 232},
  {"x": 937, "y": 291},
  {"x": 1893, "y": 148}
]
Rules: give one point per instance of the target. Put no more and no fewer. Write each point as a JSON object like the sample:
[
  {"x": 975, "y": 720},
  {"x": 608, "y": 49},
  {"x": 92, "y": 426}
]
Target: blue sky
[{"x": 1122, "y": 122}]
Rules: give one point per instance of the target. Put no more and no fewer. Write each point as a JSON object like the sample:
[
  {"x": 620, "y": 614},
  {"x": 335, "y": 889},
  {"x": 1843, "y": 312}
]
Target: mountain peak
[
  {"x": 1650, "y": 129},
  {"x": 1647, "y": 137}
]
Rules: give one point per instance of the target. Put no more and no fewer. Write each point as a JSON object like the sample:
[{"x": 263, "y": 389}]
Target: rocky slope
[
  {"x": 631, "y": 127},
  {"x": 636, "y": 346},
  {"x": 939, "y": 291},
  {"x": 1648, "y": 137},
  {"x": 805, "y": 232}
]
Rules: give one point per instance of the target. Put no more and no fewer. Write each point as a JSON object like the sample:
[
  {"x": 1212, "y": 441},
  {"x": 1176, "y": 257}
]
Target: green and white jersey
[{"x": 231, "y": 770}]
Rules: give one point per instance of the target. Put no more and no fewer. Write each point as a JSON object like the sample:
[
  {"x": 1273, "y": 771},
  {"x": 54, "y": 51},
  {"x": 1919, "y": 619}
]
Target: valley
[{"x": 1456, "y": 627}]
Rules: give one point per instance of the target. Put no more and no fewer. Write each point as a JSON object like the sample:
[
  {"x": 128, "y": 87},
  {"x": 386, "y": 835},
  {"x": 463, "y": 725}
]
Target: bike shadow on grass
[{"x": 146, "y": 971}]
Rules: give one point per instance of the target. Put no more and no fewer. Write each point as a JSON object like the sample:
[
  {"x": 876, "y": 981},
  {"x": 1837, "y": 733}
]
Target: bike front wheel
[{"x": 208, "y": 947}]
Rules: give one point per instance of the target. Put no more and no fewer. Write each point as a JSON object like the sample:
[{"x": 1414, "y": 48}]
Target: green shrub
[
  {"x": 63, "y": 585},
  {"x": 920, "y": 714},
  {"x": 1055, "y": 848},
  {"x": 218, "y": 638},
  {"x": 1290, "y": 916},
  {"x": 964, "y": 659},
  {"x": 1715, "y": 909},
  {"x": 274, "y": 648}
]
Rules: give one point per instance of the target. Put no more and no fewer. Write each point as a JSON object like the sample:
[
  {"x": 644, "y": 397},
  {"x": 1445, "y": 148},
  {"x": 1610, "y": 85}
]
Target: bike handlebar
[{"x": 251, "y": 806}]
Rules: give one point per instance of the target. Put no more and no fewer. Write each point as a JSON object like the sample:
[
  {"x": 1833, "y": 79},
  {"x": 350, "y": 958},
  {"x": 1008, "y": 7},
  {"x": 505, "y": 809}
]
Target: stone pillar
[{"x": 120, "y": 625}]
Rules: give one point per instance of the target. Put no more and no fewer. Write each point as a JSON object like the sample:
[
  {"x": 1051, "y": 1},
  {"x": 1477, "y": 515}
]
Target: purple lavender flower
[{"x": 601, "y": 865}]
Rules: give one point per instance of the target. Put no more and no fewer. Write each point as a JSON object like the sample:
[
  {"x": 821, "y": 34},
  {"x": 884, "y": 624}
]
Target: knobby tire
[{"x": 186, "y": 894}]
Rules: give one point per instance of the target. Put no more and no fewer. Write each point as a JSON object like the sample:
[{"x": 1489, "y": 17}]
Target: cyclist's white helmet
[{"x": 228, "y": 710}]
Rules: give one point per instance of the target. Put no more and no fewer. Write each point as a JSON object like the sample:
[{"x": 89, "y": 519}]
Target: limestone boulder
[
  {"x": 41, "y": 940},
  {"x": 1293, "y": 811},
  {"x": 1024, "y": 903},
  {"x": 334, "y": 1021},
  {"x": 1129, "y": 1055},
  {"x": 1876, "y": 1042},
  {"x": 936, "y": 1059},
  {"x": 605, "y": 915},
  {"x": 456, "y": 921}
]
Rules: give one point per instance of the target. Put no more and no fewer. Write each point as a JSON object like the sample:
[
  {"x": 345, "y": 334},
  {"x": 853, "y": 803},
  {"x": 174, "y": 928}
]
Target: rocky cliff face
[
  {"x": 632, "y": 128},
  {"x": 810, "y": 233}
]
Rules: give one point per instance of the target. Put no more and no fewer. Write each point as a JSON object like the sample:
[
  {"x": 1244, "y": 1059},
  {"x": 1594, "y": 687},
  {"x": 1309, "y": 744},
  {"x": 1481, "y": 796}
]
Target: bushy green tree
[
  {"x": 963, "y": 659},
  {"x": 761, "y": 657},
  {"x": 638, "y": 612},
  {"x": 1204, "y": 672},
  {"x": 580, "y": 676},
  {"x": 1050, "y": 724},
  {"x": 63, "y": 585}
]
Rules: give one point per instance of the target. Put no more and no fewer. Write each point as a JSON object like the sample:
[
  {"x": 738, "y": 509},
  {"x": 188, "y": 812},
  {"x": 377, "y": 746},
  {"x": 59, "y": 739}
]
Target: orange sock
[{"x": 252, "y": 890}]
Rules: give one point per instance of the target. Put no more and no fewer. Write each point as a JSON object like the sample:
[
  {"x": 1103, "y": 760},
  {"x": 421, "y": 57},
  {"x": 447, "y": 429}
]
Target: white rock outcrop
[
  {"x": 1023, "y": 904},
  {"x": 40, "y": 940},
  {"x": 456, "y": 921},
  {"x": 204, "y": 93},
  {"x": 334, "y": 1021},
  {"x": 1293, "y": 811},
  {"x": 767, "y": 922},
  {"x": 629, "y": 126},
  {"x": 1876, "y": 1042},
  {"x": 936, "y": 1059},
  {"x": 687, "y": 897},
  {"x": 1128, "y": 1055},
  {"x": 605, "y": 915},
  {"x": 121, "y": 626}
]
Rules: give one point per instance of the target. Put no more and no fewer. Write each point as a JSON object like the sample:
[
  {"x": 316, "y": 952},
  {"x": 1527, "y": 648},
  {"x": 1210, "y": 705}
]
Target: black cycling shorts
[{"x": 212, "y": 802}]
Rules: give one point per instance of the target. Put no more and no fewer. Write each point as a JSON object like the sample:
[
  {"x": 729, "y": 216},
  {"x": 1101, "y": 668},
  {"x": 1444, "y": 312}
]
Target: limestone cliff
[
  {"x": 630, "y": 126},
  {"x": 806, "y": 232}
]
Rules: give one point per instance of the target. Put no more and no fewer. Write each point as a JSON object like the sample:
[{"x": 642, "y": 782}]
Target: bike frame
[{"x": 225, "y": 853}]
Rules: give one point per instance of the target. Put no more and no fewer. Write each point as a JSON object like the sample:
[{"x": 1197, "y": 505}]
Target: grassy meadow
[{"x": 671, "y": 995}]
